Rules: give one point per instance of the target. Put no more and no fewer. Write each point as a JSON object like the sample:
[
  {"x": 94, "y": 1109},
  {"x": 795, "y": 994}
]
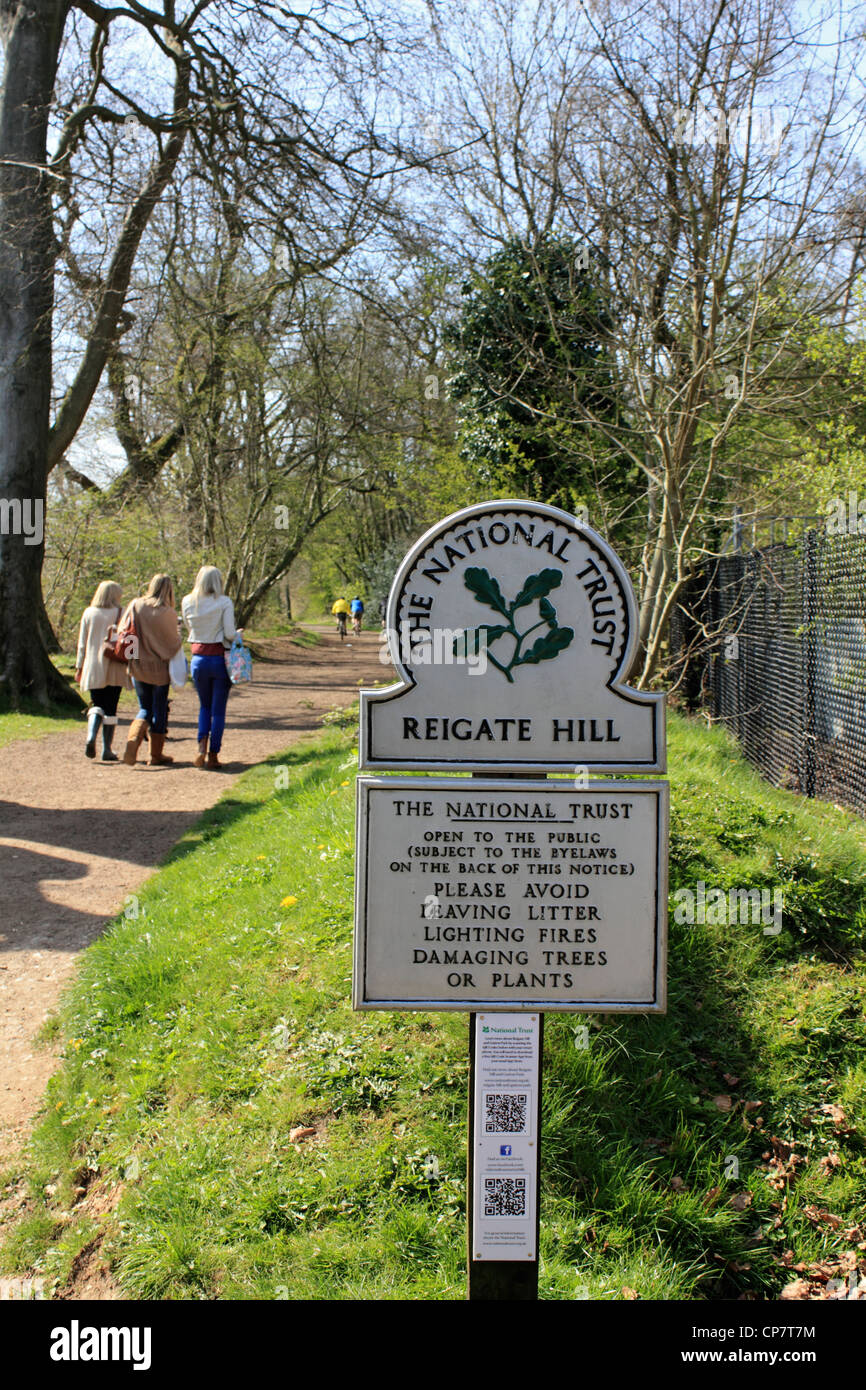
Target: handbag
[
  {"x": 239, "y": 663},
  {"x": 123, "y": 645}
]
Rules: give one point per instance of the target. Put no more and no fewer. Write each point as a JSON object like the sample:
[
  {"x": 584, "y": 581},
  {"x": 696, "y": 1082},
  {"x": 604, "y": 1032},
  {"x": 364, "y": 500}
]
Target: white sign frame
[
  {"x": 378, "y": 750},
  {"x": 364, "y": 998}
]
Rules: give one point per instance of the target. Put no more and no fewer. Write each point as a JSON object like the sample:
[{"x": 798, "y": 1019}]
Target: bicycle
[
  {"x": 341, "y": 625},
  {"x": 356, "y": 624}
]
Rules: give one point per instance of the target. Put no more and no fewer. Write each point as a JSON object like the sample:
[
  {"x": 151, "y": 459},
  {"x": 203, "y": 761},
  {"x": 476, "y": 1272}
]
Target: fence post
[{"x": 810, "y": 608}]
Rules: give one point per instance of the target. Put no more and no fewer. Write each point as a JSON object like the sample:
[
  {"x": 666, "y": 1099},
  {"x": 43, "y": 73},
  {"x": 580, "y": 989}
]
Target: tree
[
  {"x": 529, "y": 345},
  {"x": 31, "y": 35},
  {"x": 214, "y": 76},
  {"x": 703, "y": 157}
]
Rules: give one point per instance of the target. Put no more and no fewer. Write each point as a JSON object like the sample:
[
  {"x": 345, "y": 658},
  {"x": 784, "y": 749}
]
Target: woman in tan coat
[
  {"x": 97, "y": 673},
  {"x": 157, "y": 640}
]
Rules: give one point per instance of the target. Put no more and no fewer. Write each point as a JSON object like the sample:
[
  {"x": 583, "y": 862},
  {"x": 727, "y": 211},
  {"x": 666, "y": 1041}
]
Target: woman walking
[
  {"x": 210, "y": 617},
  {"x": 157, "y": 639},
  {"x": 97, "y": 672}
]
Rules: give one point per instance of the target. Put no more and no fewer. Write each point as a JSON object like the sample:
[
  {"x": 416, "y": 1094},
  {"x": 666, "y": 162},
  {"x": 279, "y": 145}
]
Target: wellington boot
[
  {"x": 94, "y": 719},
  {"x": 156, "y": 756},
  {"x": 107, "y": 740},
  {"x": 137, "y": 731},
  {"x": 202, "y": 753}
]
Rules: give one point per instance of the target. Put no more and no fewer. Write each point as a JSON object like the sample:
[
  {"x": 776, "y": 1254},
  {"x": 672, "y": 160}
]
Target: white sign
[
  {"x": 512, "y": 626},
  {"x": 527, "y": 894},
  {"x": 505, "y": 1137}
]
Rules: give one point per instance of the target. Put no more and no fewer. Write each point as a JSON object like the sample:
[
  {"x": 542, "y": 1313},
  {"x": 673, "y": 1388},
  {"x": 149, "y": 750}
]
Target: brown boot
[
  {"x": 137, "y": 730},
  {"x": 156, "y": 758},
  {"x": 213, "y": 762},
  {"x": 202, "y": 752}
]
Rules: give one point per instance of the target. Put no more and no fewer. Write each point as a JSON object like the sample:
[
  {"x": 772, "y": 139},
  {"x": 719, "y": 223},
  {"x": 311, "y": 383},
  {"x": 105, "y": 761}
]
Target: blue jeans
[
  {"x": 152, "y": 705},
  {"x": 211, "y": 680}
]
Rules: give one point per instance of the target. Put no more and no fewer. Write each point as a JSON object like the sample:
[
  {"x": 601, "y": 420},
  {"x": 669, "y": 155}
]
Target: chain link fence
[{"x": 773, "y": 644}]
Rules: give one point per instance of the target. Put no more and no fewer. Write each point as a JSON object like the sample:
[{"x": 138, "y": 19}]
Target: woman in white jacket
[
  {"x": 97, "y": 673},
  {"x": 210, "y": 617}
]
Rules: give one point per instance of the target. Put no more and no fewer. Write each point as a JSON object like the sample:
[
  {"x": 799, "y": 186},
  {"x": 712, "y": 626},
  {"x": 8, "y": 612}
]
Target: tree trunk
[
  {"x": 49, "y": 636},
  {"x": 286, "y": 598},
  {"x": 31, "y": 31}
]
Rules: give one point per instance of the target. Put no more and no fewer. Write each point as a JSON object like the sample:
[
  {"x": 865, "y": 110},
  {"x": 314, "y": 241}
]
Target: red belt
[{"x": 207, "y": 649}]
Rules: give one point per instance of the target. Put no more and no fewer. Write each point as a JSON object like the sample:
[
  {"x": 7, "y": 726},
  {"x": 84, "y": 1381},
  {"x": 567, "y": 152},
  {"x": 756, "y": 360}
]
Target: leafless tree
[
  {"x": 202, "y": 86},
  {"x": 707, "y": 159}
]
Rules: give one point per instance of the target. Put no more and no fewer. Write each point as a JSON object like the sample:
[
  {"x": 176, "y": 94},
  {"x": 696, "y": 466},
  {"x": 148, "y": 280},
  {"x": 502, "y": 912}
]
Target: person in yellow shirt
[{"x": 341, "y": 610}]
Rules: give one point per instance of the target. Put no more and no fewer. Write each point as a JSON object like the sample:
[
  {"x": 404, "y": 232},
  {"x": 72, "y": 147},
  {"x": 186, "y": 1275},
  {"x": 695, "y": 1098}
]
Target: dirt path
[{"x": 76, "y": 837}]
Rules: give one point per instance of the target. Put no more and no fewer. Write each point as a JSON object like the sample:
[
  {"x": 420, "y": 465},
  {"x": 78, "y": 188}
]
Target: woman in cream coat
[{"x": 102, "y": 677}]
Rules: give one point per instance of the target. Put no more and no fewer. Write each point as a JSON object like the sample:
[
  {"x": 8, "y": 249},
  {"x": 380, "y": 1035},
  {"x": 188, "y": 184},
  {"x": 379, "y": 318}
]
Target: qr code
[
  {"x": 505, "y": 1112},
  {"x": 505, "y": 1196}
]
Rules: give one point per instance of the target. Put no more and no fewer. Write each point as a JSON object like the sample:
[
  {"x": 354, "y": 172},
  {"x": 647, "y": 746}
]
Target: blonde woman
[
  {"x": 102, "y": 677},
  {"x": 157, "y": 640},
  {"x": 210, "y": 617}
]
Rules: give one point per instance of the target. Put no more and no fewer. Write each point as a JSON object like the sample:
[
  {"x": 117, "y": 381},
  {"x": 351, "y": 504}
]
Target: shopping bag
[
  {"x": 239, "y": 663},
  {"x": 177, "y": 670}
]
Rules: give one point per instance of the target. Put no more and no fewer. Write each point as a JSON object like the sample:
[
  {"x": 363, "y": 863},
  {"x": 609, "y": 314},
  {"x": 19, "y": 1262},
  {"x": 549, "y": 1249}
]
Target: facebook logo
[{"x": 505, "y": 1150}]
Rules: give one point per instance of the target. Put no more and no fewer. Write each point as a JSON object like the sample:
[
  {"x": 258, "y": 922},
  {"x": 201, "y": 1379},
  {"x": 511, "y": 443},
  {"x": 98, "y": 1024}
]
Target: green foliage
[
  {"x": 198, "y": 1035},
  {"x": 794, "y": 465},
  {"x": 532, "y": 372}
]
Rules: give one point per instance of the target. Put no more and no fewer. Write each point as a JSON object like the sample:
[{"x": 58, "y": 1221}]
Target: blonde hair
[
  {"x": 207, "y": 581},
  {"x": 162, "y": 589},
  {"x": 108, "y": 595}
]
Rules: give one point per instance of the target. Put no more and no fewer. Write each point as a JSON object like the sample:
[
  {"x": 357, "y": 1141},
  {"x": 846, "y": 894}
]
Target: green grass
[
  {"x": 268, "y": 632},
  {"x": 35, "y": 723},
  {"x": 32, "y": 721},
  {"x": 200, "y": 1032}
]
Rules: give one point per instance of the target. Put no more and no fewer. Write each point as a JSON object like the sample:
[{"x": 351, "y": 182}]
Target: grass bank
[{"x": 702, "y": 1155}]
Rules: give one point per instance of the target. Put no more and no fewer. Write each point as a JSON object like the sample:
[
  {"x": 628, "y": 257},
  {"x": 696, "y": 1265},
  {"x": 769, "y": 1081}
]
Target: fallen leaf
[
  {"x": 835, "y": 1112},
  {"x": 740, "y": 1201},
  {"x": 839, "y": 1118},
  {"x": 300, "y": 1132},
  {"x": 677, "y": 1184},
  {"x": 730, "y": 1080},
  {"x": 818, "y": 1217},
  {"x": 828, "y": 1163},
  {"x": 722, "y": 1102},
  {"x": 752, "y": 1105},
  {"x": 628, "y": 1293},
  {"x": 799, "y": 1289}
]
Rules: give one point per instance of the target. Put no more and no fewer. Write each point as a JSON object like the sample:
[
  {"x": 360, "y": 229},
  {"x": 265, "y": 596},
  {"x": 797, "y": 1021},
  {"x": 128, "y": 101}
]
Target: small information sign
[{"x": 505, "y": 1137}]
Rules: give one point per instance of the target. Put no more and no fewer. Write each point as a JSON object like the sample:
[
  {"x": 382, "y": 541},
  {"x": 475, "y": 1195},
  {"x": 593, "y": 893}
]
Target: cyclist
[
  {"x": 341, "y": 612},
  {"x": 357, "y": 615}
]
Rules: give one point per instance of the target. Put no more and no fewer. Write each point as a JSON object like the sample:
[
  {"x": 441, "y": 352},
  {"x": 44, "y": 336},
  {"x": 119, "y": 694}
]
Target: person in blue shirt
[{"x": 357, "y": 609}]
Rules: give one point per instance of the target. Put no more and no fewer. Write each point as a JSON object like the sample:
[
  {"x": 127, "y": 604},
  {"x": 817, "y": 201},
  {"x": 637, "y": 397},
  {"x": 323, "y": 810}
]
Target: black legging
[{"x": 106, "y": 699}]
